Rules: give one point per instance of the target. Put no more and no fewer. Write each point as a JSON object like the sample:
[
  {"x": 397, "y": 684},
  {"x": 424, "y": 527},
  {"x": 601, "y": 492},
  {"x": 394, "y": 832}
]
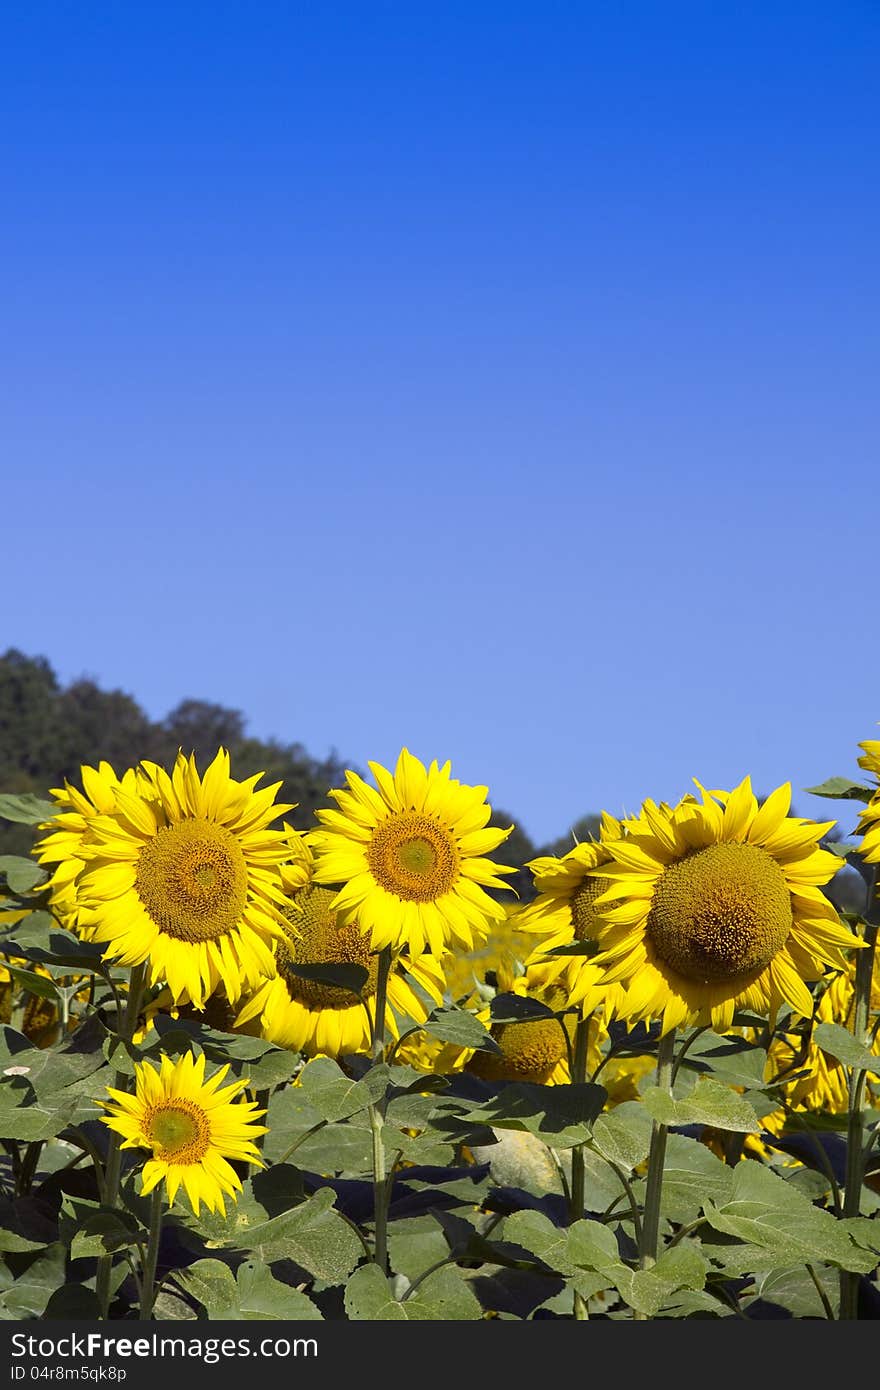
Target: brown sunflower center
[
  {"x": 323, "y": 941},
  {"x": 413, "y": 856},
  {"x": 721, "y": 912},
  {"x": 529, "y": 1052},
  {"x": 179, "y": 1131},
  {"x": 584, "y": 917},
  {"x": 192, "y": 879}
]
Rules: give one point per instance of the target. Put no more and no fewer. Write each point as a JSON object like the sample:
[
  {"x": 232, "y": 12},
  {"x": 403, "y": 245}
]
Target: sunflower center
[
  {"x": 721, "y": 912},
  {"x": 529, "y": 1051},
  {"x": 413, "y": 857},
  {"x": 584, "y": 917},
  {"x": 192, "y": 879},
  {"x": 179, "y": 1132},
  {"x": 322, "y": 940}
]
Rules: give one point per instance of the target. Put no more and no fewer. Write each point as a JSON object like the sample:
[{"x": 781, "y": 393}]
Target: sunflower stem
[
  {"x": 855, "y": 1158},
  {"x": 578, "y": 1171},
  {"x": 381, "y": 1184},
  {"x": 656, "y": 1157},
  {"x": 148, "y": 1268},
  {"x": 126, "y": 1025}
]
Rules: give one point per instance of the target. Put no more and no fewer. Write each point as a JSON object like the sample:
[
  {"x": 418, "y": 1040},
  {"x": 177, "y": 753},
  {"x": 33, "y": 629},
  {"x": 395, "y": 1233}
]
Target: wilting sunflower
[
  {"x": 717, "y": 905},
  {"x": 183, "y": 872},
  {"x": 411, "y": 857},
  {"x": 192, "y": 1127},
  {"x": 67, "y": 831},
  {"x": 564, "y": 914},
  {"x": 317, "y": 1017},
  {"x": 869, "y": 819}
]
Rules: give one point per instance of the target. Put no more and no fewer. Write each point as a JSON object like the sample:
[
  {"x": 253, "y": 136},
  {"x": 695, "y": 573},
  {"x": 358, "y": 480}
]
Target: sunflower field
[{"x": 255, "y": 1072}]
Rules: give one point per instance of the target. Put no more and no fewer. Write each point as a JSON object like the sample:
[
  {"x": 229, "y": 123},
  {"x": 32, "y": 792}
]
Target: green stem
[
  {"x": 855, "y": 1162},
  {"x": 578, "y": 1171},
  {"x": 113, "y": 1166},
  {"x": 656, "y": 1157},
  {"x": 381, "y": 1182},
  {"x": 148, "y": 1270},
  {"x": 825, "y": 1300}
]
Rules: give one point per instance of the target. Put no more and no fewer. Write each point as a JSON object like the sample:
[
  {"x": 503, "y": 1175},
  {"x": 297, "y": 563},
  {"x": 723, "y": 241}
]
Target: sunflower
[
  {"x": 183, "y": 872},
  {"x": 191, "y": 1126},
  {"x": 717, "y": 905},
  {"x": 564, "y": 914},
  {"x": 869, "y": 819},
  {"x": 67, "y": 831},
  {"x": 317, "y": 1017},
  {"x": 504, "y": 946},
  {"x": 821, "y": 1082},
  {"x": 410, "y": 857},
  {"x": 531, "y": 1049}
]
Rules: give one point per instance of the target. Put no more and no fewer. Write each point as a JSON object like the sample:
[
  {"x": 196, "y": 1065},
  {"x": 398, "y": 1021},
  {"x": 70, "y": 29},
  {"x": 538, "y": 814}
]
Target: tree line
[{"x": 48, "y": 730}]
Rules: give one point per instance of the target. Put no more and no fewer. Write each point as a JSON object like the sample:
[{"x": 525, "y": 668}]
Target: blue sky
[{"x": 496, "y": 379}]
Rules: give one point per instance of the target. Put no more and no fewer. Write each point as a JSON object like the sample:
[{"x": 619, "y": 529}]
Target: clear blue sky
[{"x": 498, "y": 379}]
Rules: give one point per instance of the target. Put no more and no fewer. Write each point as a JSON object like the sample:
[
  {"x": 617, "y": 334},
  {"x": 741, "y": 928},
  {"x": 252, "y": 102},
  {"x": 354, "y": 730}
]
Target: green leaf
[
  {"x": 414, "y": 1244},
  {"x": 33, "y": 983},
  {"x": 794, "y": 1290},
  {"x": 731, "y": 1060},
  {"x": 340, "y": 974},
  {"x": 313, "y": 1235},
  {"x": 104, "y": 1232},
  {"x": 560, "y": 1115},
  {"x": 32, "y": 1290},
  {"x": 691, "y": 1174},
  {"x": 709, "y": 1103},
  {"x": 24, "y": 1226},
  {"x": 253, "y": 1293},
  {"x": 340, "y": 1148},
  {"x": 26, "y": 809},
  {"x": 39, "y": 938},
  {"x": 461, "y": 1028},
  {"x": 840, "y": 1043},
  {"x": 623, "y": 1136},
  {"x": 512, "y": 1008},
  {"x": 211, "y": 1283},
  {"x": 261, "y": 1295},
  {"x": 767, "y": 1212},
  {"x": 584, "y": 1245},
  {"x": 332, "y": 1094},
  {"x": 21, "y": 874},
  {"x": 445, "y": 1296},
  {"x": 37, "y": 1120},
  {"x": 842, "y": 789},
  {"x": 74, "y": 1301}
]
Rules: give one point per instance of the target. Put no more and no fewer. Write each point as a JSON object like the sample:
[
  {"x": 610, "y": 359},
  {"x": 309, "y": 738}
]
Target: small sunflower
[
  {"x": 411, "y": 857},
  {"x": 717, "y": 905},
  {"x": 563, "y": 913},
  {"x": 192, "y": 1127},
  {"x": 183, "y": 872},
  {"x": 321, "y": 1018},
  {"x": 531, "y": 1049}
]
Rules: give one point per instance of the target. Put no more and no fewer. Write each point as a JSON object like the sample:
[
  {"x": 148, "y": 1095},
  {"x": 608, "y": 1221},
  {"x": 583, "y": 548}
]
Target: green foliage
[{"x": 842, "y": 789}]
